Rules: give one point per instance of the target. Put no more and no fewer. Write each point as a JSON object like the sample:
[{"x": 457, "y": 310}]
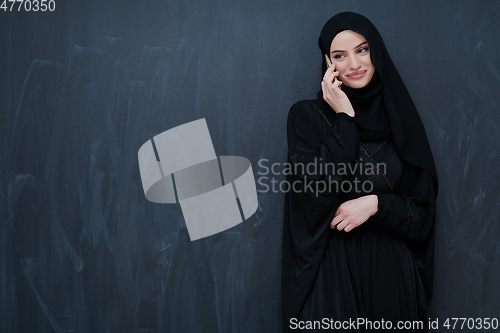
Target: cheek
[
  {"x": 371, "y": 71},
  {"x": 341, "y": 68},
  {"x": 369, "y": 64}
]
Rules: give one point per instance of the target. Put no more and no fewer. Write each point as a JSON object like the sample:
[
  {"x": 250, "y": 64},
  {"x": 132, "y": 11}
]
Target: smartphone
[{"x": 328, "y": 64}]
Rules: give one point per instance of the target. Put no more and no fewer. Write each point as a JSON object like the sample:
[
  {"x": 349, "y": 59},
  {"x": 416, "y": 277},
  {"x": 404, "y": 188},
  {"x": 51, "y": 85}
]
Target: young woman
[{"x": 358, "y": 234}]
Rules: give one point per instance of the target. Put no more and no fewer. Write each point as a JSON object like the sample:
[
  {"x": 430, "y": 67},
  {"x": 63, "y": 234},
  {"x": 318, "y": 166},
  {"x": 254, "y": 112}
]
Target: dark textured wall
[{"x": 82, "y": 88}]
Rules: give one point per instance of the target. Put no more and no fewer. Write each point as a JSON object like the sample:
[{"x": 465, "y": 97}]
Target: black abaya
[
  {"x": 383, "y": 268},
  {"x": 374, "y": 272}
]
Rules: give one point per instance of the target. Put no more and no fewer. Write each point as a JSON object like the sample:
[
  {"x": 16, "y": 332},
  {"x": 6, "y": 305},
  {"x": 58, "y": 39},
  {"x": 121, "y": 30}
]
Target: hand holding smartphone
[
  {"x": 336, "y": 98},
  {"x": 328, "y": 64}
]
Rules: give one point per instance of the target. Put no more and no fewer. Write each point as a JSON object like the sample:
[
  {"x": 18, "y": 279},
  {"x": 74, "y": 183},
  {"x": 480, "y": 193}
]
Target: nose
[{"x": 354, "y": 63}]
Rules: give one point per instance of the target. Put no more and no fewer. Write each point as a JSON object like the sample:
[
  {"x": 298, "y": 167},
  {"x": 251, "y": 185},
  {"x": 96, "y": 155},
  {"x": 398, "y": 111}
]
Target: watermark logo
[
  {"x": 180, "y": 166},
  {"x": 320, "y": 178}
]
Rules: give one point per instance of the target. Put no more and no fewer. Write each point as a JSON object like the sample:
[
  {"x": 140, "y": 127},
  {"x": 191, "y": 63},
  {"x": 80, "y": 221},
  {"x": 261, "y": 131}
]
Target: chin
[{"x": 357, "y": 84}]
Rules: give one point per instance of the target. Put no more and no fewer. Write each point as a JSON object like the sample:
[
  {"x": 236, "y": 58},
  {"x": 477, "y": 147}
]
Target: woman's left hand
[{"x": 355, "y": 212}]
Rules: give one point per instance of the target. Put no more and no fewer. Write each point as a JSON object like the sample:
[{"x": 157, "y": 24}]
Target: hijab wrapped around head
[{"x": 384, "y": 107}]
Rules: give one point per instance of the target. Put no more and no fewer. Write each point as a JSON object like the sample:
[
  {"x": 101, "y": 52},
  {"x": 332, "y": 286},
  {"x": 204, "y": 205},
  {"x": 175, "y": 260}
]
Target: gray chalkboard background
[{"x": 83, "y": 87}]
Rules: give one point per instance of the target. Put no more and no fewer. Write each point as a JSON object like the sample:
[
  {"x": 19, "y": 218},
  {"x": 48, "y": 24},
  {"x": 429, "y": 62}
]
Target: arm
[
  {"x": 305, "y": 141},
  {"x": 307, "y": 213},
  {"x": 333, "y": 94},
  {"x": 411, "y": 214},
  {"x": 408, "y": 216},
  {"x": 312, "y": 141},
  {"x": 311, "y": 203}
]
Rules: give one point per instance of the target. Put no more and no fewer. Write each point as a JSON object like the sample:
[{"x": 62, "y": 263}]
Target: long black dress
[{"x": 376, "y": 271}]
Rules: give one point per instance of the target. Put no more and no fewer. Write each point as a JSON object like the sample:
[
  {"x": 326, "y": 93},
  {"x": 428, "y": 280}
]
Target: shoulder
[
  {"x": 306, "y": 121},
  {"x": 305, "y": 111},
  {"x": 304, "y": 106},
  {"x": 314, "y": 112}
]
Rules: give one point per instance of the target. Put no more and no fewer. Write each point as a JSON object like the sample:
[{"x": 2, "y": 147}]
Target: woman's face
[{"x": 350, "y": 54}]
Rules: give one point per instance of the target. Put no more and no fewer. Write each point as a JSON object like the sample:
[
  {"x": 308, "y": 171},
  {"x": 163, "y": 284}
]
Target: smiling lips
[{"x": 356, "y": 75}]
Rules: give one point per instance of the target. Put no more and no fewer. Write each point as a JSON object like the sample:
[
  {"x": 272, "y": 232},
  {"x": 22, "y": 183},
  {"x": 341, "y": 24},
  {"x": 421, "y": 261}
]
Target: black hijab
[{"x": 384, "y": 107}]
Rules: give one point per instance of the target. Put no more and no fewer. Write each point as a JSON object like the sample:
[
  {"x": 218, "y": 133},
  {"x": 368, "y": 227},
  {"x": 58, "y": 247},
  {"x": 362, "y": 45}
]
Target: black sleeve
[
  {"x": 308, "y": 209},
  {"x": 311, "y": 141},
  {"x": 409, "y": 215},
  {"x": 310, "y": 138}
]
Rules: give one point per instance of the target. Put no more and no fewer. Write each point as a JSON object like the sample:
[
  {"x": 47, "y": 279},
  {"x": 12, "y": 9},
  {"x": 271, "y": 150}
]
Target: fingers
[
  {"x": 329, "y": 70},
  {"x": 336, "y": 220},
  {"x": 330, "y": 74},
  {"x": 335, "y": 74},
  {"x": 329, "y": 80},
  {"x": 337, "y": 83},
  {"x": 331, "y": 67},
  {"x": 341, "y": 222},
  {"x": 330, "y": 91},
  {"x": 342, "y": 225}
]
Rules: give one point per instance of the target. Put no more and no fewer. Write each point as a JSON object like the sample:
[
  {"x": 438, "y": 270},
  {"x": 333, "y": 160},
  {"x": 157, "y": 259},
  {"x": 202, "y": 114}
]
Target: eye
[
  {"x": 364, "y": 50},
  {"x": 338, "y": 56}
]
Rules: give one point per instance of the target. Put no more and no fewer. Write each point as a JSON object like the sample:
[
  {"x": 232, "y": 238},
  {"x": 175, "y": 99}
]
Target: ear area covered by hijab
[{"x": 384, "y": 107}]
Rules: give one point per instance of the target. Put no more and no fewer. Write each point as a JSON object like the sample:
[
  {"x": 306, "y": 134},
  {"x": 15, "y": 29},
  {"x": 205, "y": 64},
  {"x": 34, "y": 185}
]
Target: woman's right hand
[{"x": 332, "y": 93}]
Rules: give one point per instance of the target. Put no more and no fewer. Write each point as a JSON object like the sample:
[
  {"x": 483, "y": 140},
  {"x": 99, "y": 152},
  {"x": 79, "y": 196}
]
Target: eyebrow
[{"x": 365, "y": 42}]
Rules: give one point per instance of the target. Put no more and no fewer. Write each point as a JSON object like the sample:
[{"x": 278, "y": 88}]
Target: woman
[{"x": 358, "y": 235}]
